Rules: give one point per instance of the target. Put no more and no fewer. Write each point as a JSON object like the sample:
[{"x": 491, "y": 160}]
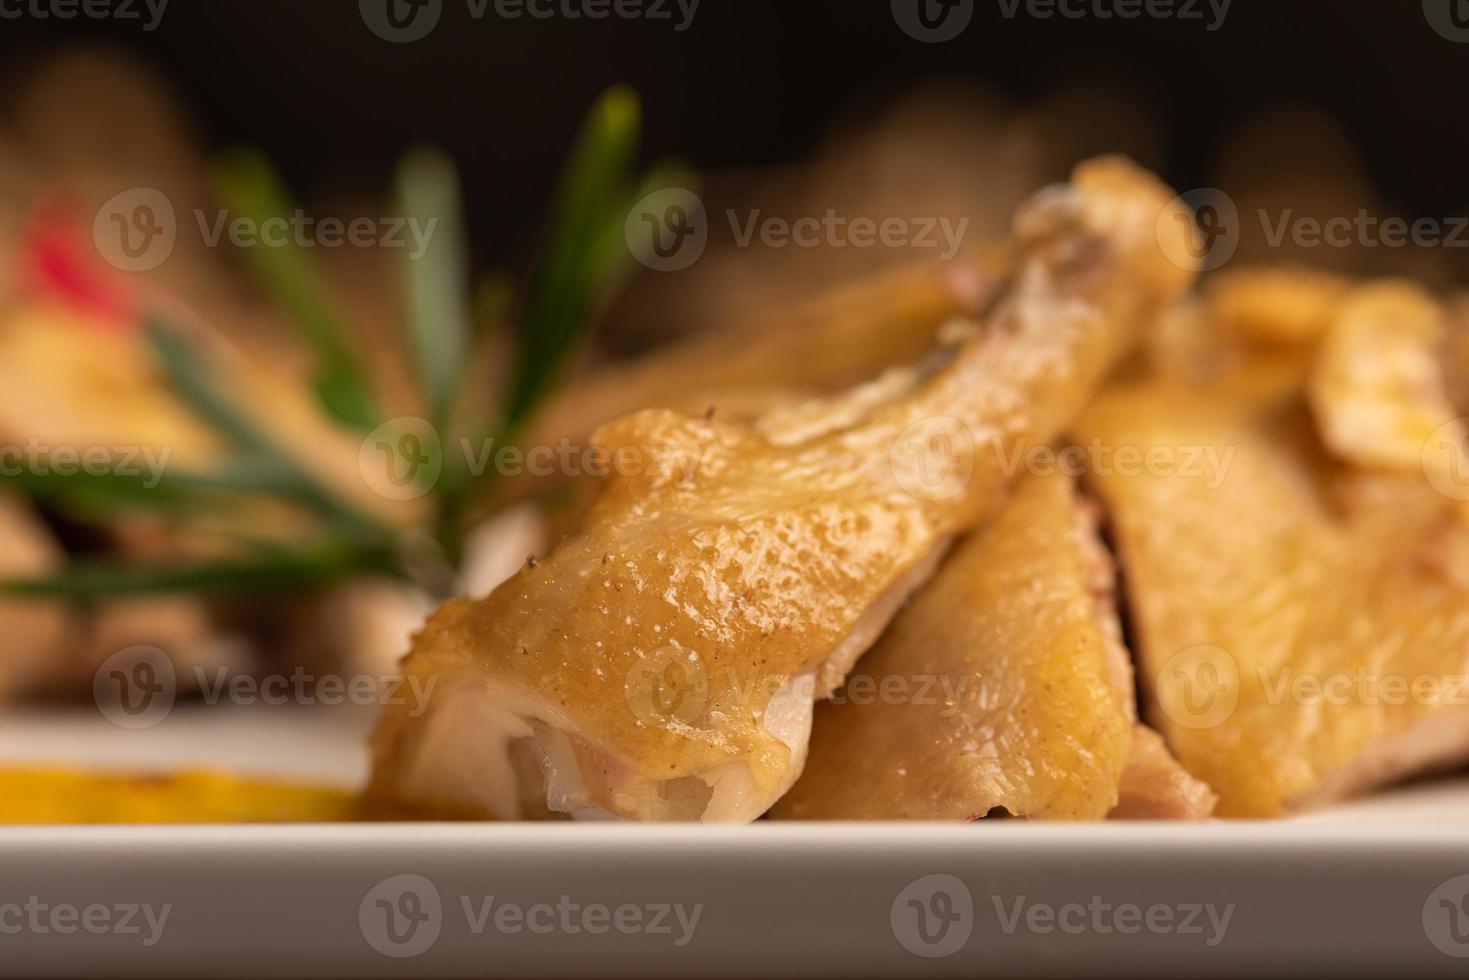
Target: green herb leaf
[
  {"x": 273, "y": 468},
  {"x": 252, "y": 189},
  {"x": 570, "y": 278},
  {"x": 270, "y": 573},
  {"x": 438, "y": 280}
]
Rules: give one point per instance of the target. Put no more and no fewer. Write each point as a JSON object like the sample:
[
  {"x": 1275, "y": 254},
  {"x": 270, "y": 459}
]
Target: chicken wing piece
[
  {"x": 1302, "y": 627},
  {"x": 838, "y": 339},
  {"x": 755, "y": 573},
  {"x": 1001, "y": 686}
]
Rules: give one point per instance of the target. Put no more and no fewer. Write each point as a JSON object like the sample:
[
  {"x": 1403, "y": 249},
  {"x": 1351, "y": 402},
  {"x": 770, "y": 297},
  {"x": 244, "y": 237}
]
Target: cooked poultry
[
  {"x": 757, "y": 572},
  {"x": 838, "y": 339},
  {"x": 1001, "y": 686},
  {"x": 1155, "y": 787},
  {"x": 1302, "y": 624},
  {"x": 1377, "y": 385}
]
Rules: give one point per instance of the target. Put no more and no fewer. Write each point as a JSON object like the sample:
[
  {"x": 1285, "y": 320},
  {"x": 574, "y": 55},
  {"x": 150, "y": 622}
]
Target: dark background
[{"x": 758, "y": 81}]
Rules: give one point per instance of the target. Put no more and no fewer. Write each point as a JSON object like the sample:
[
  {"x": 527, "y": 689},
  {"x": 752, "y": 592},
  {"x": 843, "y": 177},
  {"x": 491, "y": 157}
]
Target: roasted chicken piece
[
  {"x": 1302, "y": 623},
  {"x": 755, "y": 573},
  {"x": 840, "y": 338},
  {"x": 999, "y": 687},
  {"x": 1002, "y": 687}
]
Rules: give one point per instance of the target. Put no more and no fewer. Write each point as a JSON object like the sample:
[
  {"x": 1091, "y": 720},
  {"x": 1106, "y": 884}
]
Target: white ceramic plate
[{"x": 1377, "y": 887}]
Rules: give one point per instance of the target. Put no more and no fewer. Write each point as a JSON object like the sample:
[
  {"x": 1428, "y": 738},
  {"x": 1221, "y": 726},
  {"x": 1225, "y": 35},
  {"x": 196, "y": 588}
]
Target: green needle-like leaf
[
  {"x": 270, "y": 573},
  {"x": 252, "y": 189},
  {"x": 569, "y": 278},
  {"x": 438, "y": 280},
  {"x": 272, "y": 467}
]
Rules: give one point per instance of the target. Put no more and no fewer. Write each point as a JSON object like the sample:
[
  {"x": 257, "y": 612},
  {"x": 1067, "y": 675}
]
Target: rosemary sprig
[
  {"x": 437, "y": 281},
  {"x": 308, "y": 568},
  {"x": 569, "y": 279},
  {"x": 191, "y": 379},
  {"x": 250, "y": 186},
  {"x": 583, "y": 259}
]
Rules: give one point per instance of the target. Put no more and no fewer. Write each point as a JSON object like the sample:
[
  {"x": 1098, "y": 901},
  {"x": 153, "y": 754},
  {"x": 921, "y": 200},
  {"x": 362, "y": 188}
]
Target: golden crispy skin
[
  {"x": 838, "y": 339},
  {"x": 991, "y": 689},
  {"x": 754, "y": 573},
  {"x": 1285, "y": 607}
]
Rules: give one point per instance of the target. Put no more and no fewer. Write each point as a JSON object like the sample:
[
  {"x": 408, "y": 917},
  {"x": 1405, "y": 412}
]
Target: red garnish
[{"x": 60, "y": 264}]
